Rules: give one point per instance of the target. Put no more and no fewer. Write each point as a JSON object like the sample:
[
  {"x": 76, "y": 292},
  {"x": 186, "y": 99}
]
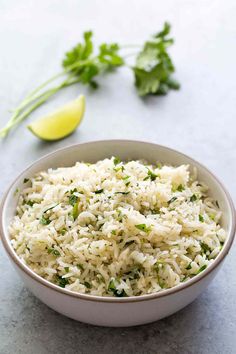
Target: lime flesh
[{"x": 60, "y": 123}]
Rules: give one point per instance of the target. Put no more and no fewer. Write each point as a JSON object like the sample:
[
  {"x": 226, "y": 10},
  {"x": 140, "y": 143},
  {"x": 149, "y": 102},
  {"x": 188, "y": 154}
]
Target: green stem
[
  {"x": 127, "y": 46},
  {"x": 64, "y": 72},
  {"x": 40, "y": 100},
  {"x": 31, "y": 96},
  {"x": 130, "y": 55}
]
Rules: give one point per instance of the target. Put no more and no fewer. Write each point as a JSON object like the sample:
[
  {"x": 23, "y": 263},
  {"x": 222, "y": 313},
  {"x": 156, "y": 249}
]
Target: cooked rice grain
[{"x": 115, "y": 228}]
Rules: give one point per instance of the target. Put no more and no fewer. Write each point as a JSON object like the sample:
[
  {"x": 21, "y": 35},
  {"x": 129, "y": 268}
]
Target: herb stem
[
  {"x": 130, "y": 55},
  {"x": 40, "y": 99},
  {"x": 18, "y": 113},
  {"x": 127, "y": 46},
  {"x": 64, "y": 72},
  {"x": 31, "y": 96}
]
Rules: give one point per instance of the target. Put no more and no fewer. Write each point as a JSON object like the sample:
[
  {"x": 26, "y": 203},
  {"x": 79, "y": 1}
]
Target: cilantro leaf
[
  {"x": 116, "y": 292},
  {"x": 205, "y": 247},
  {"x": 193, "y": 198},
  {"x": 62, "y": 282},
  {"x": 180, "y": 188},
  {"x": 31, "y": 203},
  {"x": 52, "y": 250},
  {"x": 124, "y": 193},
  {"x": 173, "y": 199},
  {"x": 99, "y": 191},
  {"x": 164, "y": 32},
  {"x": 116, "y": 161},
  {"x": 201, "y": 269},
  {"x": 82, "y": 62},
  {"x": 75, "y": 211},
  {"x": 200, "y": 218},
  {"x": 189, "y": 266},
  {"x": 154, "y": 67},
  {"x": 108, "y": 54},
  {"x": 81, "y": 51},
  {"x": 88, "y": 285},
  {"x": 150, "y": 175},
  {"x": 44, "y": 221},
  {"x": 73, "y": 199},
  {"x": 143, "y": 227}
]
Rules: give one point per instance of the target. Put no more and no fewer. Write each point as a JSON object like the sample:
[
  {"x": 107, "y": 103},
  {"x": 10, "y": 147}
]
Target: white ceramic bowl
[{"x": 109, "y": 311}]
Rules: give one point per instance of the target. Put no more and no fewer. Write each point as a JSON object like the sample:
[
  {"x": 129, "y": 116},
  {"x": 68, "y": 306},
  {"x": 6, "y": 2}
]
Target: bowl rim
[{"x": 146, "y": 297}]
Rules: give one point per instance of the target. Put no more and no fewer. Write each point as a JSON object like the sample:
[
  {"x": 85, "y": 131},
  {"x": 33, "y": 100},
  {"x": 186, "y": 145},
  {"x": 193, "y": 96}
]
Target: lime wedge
[{"x": 60, "y": 123}]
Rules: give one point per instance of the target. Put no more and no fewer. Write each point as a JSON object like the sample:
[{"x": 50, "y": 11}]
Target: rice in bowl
[{"x": 115, "y": 228}]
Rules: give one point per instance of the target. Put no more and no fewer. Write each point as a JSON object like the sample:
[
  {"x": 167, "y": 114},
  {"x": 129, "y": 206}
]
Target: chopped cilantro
[
  {"x": 79, "y": 266},
  {"x": 88, "y": 285},
  {"x": 16, "y": 191},
  {"x": 150, "y": 175},
  {"x": 189, "y": 266},
  {"x": 30, "y": 203},
  {"x": 155, "y": 211},
  {"x": 72, "y": 191},
  {"x": 50, "y": 208},
  {"x": 124, "y": 193},
  {"x": 44, "y": 221},
  {"x": 120, "y": 168},
  {"x": 117, "y": 293},
  {"x": 133, "y": 273},
  {"x": 66, "y": 269},
  {"x": 100, "y": 226},
  {"x": 172, "y": 200},
  {"x": 116, "y": 161},
  {"x": 99, "y": 191},
  {"x": 184, "y": 278},
  {"x": 26, "y": 180},
  {"x": 143, "y": 227},
  {"x": 62, "y": 282},
  {"x": 75, "y": 211},
  {"x": 180, "y": 188},
  {"x": 221, "y": 245},
  {"x": 205, "y": 247},
  {"x": 119, "y": 214},
  {"x": 129, "y": 243},
  {"x": 52, "y": 250},
  {"x": 201, "y": 218},
  {"x": 201, "y": 269},
  {"x": 158, "y": 265},
  {"x": 62, "y": 232},
  {"x": 73, "y": 199},
  {"x": 113, "y": 232},
  {"x": 161, "y": 283},
  {"x": 111, "y": 286},
  {"x": 193, "y": 198}
]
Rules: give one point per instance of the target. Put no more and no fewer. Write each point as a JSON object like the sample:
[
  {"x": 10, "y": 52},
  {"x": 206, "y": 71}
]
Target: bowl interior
[{"x": 94, "y": 151}]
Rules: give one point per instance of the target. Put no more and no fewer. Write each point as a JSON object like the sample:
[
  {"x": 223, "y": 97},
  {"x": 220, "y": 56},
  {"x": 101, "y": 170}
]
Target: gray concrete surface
[{"x": 199, "y": 120}]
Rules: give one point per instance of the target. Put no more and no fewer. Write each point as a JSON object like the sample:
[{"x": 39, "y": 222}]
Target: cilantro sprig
[
  {"x": 83, "y": 64},
  {"x": 154, "y": 68}
]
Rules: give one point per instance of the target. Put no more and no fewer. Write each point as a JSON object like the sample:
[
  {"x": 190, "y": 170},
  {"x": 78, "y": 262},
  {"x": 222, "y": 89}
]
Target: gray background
[{"x": 198, "y": 120}]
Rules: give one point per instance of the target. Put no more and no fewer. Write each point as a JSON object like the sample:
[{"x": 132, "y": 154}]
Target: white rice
[{"x": 115, "y": 228}]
